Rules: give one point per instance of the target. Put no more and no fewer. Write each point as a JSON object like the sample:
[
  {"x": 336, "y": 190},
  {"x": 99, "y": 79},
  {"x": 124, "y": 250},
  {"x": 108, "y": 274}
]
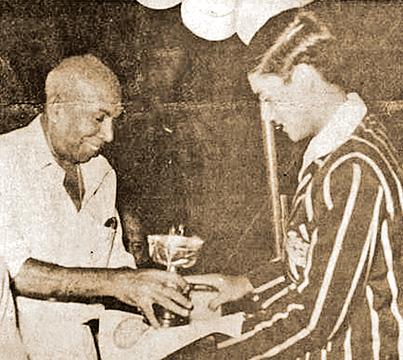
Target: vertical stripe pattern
[{"x": 340, "y": 297}]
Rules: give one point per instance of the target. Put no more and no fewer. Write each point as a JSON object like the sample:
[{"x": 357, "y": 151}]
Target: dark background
[{"x": 188, "y": 147}]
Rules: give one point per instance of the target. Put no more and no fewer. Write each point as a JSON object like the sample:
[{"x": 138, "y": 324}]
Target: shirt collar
[
  {"x": 338, "y": 130},
  {"x": 93, "y": 171}
]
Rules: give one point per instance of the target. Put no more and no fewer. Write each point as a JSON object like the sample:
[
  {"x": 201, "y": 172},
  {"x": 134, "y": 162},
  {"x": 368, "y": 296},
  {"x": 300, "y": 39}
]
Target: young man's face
[
  {"x": 83, "y": 126},
  {"x": 286, "y": 103}
]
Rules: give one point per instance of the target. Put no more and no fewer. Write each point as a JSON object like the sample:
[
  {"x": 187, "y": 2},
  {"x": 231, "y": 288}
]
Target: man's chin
[{"x": 83, "y": 158}]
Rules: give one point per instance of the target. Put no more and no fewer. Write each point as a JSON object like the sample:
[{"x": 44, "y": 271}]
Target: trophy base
[{"x": 168, "y": 319}]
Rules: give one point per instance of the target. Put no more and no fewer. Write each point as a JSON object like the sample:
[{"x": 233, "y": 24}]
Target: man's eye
[
  {"x": 266, "y": 99},
  {"x": 100, "y": 118}
]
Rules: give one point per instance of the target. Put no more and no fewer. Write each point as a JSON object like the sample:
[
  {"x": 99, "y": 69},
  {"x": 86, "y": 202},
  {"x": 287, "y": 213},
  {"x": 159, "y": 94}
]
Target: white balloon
[
  {"x": 253, "y": 14},
  {"x": 210, "y": 19},
  {"x": 159, "y": 4}
]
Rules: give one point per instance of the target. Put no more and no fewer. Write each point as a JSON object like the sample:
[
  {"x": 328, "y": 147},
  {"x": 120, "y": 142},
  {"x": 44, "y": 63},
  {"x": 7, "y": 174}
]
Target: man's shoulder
[
  {"x": 22, "y": 151},
  {"x": 24, "y": 132},
  {"x": 368, "y": 145},
  {"x": 16, "y": 143}
]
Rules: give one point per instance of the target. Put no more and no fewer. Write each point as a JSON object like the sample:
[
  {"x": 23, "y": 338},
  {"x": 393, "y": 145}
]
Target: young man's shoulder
[{"x": 368, "y": 147}]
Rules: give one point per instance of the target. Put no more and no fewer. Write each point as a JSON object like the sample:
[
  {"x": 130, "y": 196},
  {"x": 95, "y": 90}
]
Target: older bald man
[{"x": 59, "y": 229}]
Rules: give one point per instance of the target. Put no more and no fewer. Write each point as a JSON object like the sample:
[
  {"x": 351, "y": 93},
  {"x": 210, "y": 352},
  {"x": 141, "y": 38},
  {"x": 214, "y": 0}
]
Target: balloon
[
  {"x": 159, "y": 4},
  {"x": 253, "y": 14},
  {"x": 210, "y": 19},
  {"x": 220, "y": 19}
]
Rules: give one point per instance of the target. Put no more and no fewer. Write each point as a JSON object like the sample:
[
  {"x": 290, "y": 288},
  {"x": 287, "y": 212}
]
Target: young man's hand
[{"x": 230, "y": 288}]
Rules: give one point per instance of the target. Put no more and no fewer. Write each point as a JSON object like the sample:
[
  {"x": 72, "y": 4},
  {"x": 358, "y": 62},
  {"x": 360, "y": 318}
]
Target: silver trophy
[{"x": 173, "y": 251}]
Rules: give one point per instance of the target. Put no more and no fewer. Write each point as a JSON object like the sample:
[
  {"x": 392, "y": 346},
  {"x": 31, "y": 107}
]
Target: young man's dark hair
[{"x": 306, "y": 39}]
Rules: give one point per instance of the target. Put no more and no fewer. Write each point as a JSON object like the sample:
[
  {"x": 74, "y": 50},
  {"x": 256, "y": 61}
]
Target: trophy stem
[
  {"x": 171, "y": 268},
  {"x": 168, "y": 317}
]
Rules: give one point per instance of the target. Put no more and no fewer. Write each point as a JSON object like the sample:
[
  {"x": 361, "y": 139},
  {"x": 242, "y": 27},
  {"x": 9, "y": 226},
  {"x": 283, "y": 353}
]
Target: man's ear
[
  {"x": 303, "y": 74},
  {"x": 54, "y": 108},
  {"x": 53, "y": 112}
]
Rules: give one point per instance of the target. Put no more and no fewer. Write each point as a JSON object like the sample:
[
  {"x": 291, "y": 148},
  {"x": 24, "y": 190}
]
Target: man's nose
[{"x": 106, "y": 130}]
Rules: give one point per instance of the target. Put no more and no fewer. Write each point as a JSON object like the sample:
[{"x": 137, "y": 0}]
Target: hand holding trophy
[{"x": 174, "y": 251}]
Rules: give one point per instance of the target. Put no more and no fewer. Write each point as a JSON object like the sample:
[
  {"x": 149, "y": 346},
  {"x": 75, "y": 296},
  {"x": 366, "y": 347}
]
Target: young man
[
  {"x": 59, "y": 229},
  {"x": 336, "y": 294}
]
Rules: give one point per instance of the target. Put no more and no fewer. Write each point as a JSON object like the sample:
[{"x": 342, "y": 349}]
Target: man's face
[
  {"x": 286, "y": 103},
  {"x": 83, "y": 126}
]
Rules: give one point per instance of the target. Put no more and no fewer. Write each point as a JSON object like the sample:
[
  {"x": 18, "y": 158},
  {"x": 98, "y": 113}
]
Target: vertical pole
[{"x": 272, "y": 178}]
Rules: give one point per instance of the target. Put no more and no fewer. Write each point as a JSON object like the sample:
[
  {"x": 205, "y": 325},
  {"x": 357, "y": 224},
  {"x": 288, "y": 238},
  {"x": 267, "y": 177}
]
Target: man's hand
[
  {"x": 143, "y": 288},
  {"x": 230, "y": 288}
]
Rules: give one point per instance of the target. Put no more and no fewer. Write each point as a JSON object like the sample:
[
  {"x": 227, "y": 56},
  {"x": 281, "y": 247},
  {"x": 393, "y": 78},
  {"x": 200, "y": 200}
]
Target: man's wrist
[{"x": 113, "y": 279}]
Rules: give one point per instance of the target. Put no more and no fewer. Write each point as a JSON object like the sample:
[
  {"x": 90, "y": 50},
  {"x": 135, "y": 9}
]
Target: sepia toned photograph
[{"x": 201, "y": 179}]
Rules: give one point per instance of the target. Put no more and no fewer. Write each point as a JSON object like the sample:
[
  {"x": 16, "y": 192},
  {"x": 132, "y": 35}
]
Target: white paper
[{"x": 154, "y": 344}]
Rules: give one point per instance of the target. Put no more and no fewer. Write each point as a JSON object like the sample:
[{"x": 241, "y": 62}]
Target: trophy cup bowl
[{"x": 173, "y": 251}]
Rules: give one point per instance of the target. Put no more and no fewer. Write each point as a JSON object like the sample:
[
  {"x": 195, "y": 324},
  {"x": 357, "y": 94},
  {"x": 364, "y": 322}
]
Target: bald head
[
  {"x": 83, "y": 97},
  {"x": 77, "y": 76}
]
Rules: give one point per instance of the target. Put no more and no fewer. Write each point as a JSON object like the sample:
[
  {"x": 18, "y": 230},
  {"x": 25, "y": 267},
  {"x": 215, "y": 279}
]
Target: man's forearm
[
  {"x": 44, "y": 280},
  {"x": 141, "y": 288}
]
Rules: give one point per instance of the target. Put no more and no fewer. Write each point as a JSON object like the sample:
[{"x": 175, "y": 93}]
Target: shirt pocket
[{"x": 97, "y": 241}]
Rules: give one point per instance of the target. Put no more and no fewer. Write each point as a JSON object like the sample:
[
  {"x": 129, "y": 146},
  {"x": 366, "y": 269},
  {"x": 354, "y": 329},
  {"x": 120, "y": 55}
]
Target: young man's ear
[{"x": 303, "y": 74}]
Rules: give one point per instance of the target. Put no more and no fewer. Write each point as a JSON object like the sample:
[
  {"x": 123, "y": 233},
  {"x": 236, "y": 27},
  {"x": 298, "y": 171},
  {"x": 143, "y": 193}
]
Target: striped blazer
[{"x": 336, "y": 294}]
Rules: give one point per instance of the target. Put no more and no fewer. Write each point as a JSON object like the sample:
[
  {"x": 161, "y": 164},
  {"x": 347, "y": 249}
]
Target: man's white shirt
[{"x": 39, "y": 220}]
